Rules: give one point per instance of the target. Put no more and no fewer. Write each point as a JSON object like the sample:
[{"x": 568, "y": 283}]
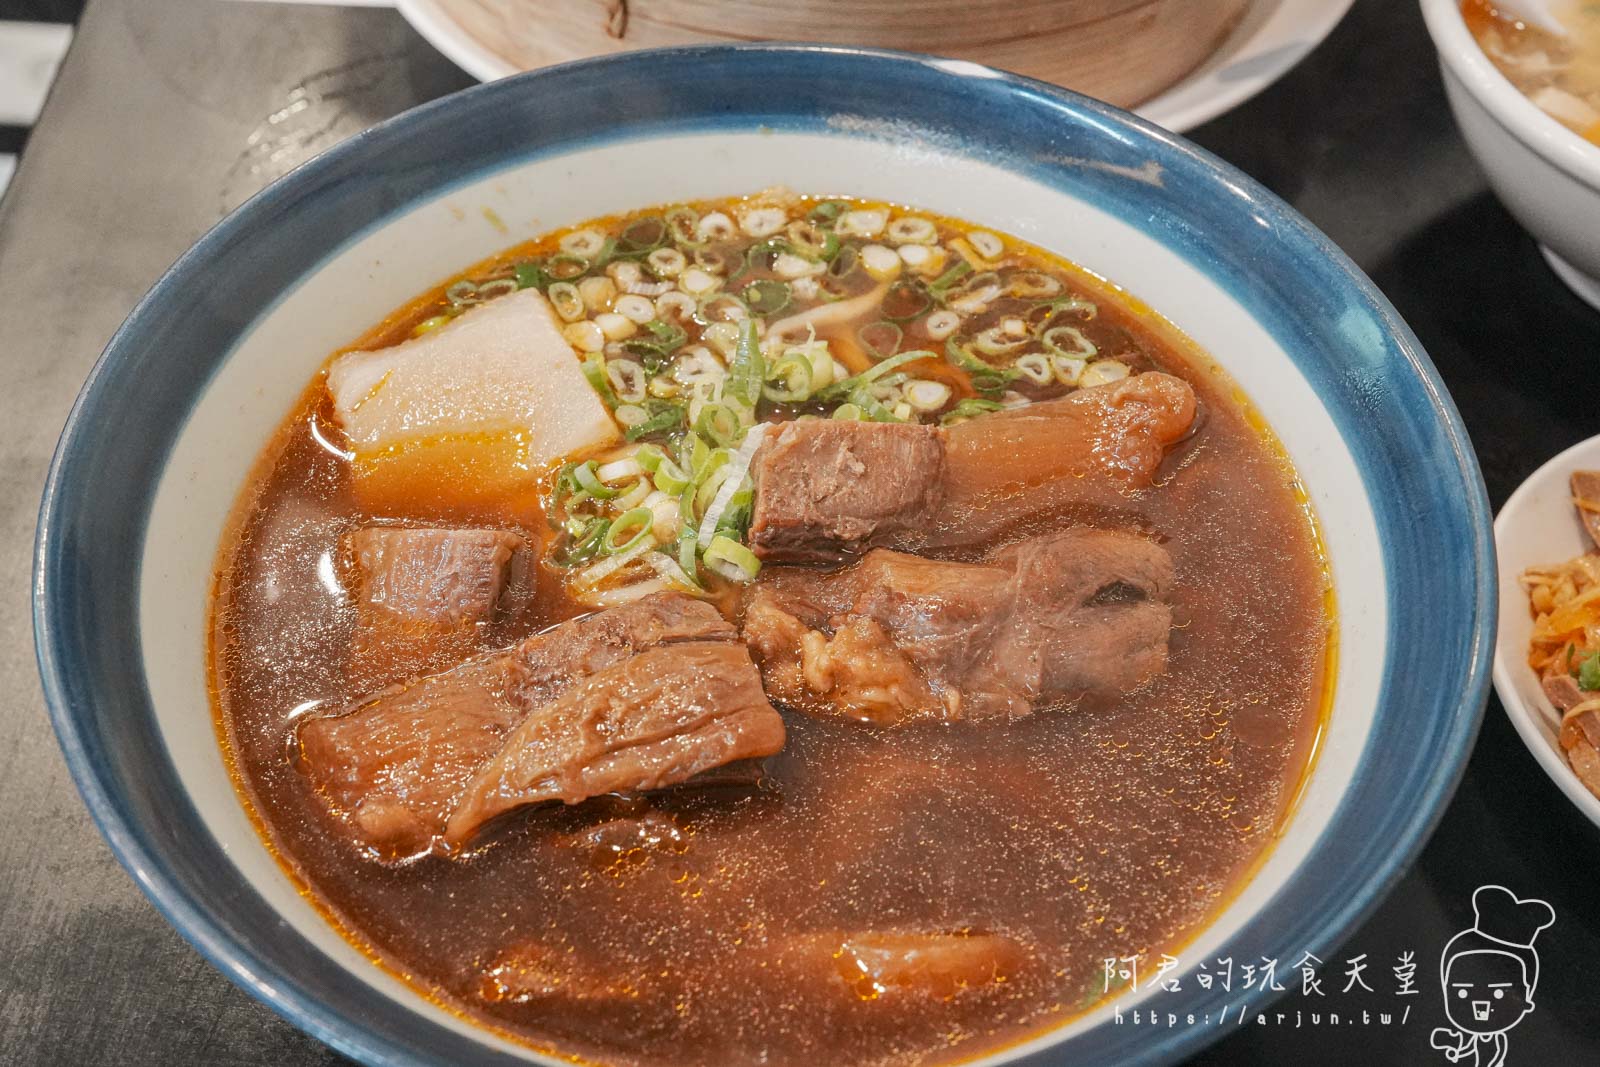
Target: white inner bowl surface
[{"x": 253, "y": 391}]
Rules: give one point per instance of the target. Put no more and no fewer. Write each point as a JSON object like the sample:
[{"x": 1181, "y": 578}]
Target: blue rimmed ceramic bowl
[{"x": 205, "y": 368}]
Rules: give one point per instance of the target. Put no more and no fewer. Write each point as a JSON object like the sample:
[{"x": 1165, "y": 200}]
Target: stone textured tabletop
[{"x": 168, "y": 113}]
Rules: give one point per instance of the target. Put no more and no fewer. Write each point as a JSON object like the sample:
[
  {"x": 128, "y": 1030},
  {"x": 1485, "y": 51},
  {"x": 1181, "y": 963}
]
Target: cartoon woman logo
[{"x": 1489, "y": 974}]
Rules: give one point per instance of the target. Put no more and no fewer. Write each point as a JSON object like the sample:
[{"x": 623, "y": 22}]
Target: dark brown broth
[{"x": 1085, "y": 836}]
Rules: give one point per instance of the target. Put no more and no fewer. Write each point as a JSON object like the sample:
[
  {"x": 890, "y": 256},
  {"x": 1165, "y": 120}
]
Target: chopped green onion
[
  {"x": 608, "y": 252},
  {"x": 693, "y": 455},
  {"x": 872, "y": 410},
  {"x": 827, "y": 212},
  {"x": 794, "y": 375},
  {"x": 564, "y": 265},
  {"x": 881, "y": 339},
  {"x": 630, "y": 415},
  {"x": 949, "y": 277},
  {"x": 1588, "y": 672},
  {"x": 1036, "y": 367},
  {"x": 664, "y": 340},
  {"x": 904, "y": 301},
  {"x": 643, "y": 235},
  {"x": 683, "y": 227},
  {"x": 711, "y": 259},
  {"x": 497, "y": 287},
  {"x": 686, "y": 551},
  {"x": 721, "y": 423},
  {"x": 855, "y": 383},
  {"x": 734, "y": 470},
  {"x": 847, "y": 413},
  {"x": 669, "y": 477},
  {"x": 766, "y": 297},
  {"x": 665, "y": 417},
  {"x": 1032, "y": 284},
  {"x": 567, "y": 301},
  {"x": 843, "y": 264},
  {"x": 430, "y": 324},
  {"x": 748, "y": 369},
  {"x": 594, "y": 369},
  {"x": 628, "y": 530},
  {"x": 586, "y": 541},
  {"x": 911, "y": 230},
  {"x": 974, "y": 293},
  {"x": 732, "y": 560},
  {"x": 628, "y": 379},
  {"x": 1069, "y": 341},
  {"x": 1040, "y": 315},
  {"x": 969, "y": 408},
  {"x": 531, "y": 275},
  {"x": 811, "y": 240},
  {"x": 993, "y": 342},
  {"x": 723, "y": 307},
  {"x": 710, "y": 485},
  {"x": 587, "y": 475},
  {"x": 986, "y": 378},
  {"x": 961, "y": 357}
]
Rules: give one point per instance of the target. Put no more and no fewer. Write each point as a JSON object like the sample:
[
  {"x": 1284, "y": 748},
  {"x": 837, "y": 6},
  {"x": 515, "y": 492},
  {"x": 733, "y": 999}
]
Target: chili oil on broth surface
[{"x": 689, "y": 936}]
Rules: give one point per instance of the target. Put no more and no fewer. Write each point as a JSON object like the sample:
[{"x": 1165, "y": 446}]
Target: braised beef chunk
[
  {"x": 1067, "y": 634},
  {"x": 547, "y": 663},
  {"x": 435, "y": 577},
  {"x": 653, "y": 720},
  {"x": 1091, "y": 446},
  {"x": 1078, "y": 615},
  {"x": 393, "y": 765},
  {"x": 1586, "y": 495},
  {"x": 825, "y": 486},
  {"x": 396, "y": 766}
]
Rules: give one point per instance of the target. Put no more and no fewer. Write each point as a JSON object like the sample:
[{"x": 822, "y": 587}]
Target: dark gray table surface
[{"x": 170, "y": 112}]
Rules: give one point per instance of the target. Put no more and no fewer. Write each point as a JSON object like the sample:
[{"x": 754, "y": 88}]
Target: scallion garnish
[
  {"x": 881, "y": 339},
  {"x": 664, "y": 417},
  {"x": 732, "y": 560},
  {"x": 629, "y": 530},
  {"x": 748, "y": 370},
  {"x": 969, "y": 408},
  {"x": 841, "y": 265},
  {"x": 1068, "y": 341},
  {"x": 655, "y": 350},
  {"x": 857, "y": 382},
  {"x": 1588, "y": 672},
  {"x": 949, "y": 277},
  {"x": 827, "y": 212},
  {"x": 564, "y": 266},
  {"x": 766, "y": 297},
  {"x": 587, "y": 477},
  {"x": 792, "y": 378},
  {"x": 683, "y": 226},
  {"x": 594, "y": 369},
  {"x": 643, "y": 235},
  {"x": 905, "y": 300},
  {"x": 531, "y": 275}
]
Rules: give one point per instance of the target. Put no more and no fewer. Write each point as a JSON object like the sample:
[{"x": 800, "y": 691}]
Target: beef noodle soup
[
  {"x": 1560, "y": 72},
  {"x": 785, "y": 629}
]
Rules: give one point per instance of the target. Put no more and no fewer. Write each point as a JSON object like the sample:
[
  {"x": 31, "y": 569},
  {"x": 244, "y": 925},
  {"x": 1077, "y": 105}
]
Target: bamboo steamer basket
[{"x": 1122, "y": 51}]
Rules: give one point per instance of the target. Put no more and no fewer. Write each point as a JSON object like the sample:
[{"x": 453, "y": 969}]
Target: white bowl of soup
[
  {"x": 772, "y": 553},
  {"x": 1528, "y": 103}
]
